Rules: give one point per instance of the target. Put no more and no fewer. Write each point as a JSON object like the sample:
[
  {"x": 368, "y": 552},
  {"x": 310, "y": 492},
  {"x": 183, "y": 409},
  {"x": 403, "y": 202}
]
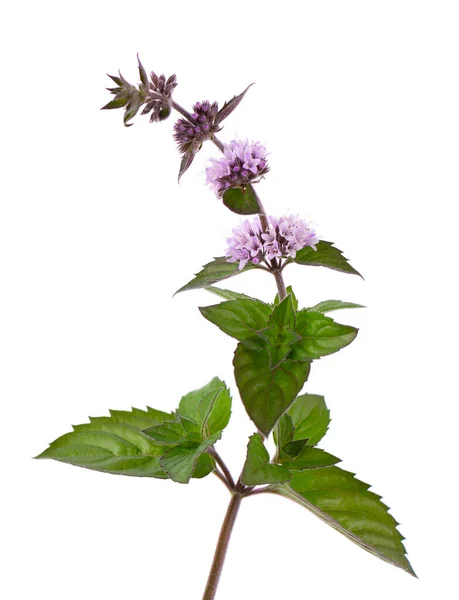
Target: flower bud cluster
[{"x": 190, "y": 135}]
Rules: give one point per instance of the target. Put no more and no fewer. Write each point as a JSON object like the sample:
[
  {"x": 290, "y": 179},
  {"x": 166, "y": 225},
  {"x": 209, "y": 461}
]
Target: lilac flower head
[
  {"x": 241, "y": 164},
  {"x": 190, "y": 136},
  {"x": 283, "y": 238}
]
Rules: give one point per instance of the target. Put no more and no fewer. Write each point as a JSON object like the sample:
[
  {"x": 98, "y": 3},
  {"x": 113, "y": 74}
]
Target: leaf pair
[
  {"x": 151, "y": 443},
  {"x": 309, "y": 476},
  {"x": 295, "y": 436},
  {"x": 277, "y": 345},
  {"x": 326, "y": 255}
]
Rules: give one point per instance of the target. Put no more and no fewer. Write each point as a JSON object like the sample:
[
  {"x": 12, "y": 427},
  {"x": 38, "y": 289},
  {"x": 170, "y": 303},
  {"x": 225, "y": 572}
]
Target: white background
[{"x": 357, "y": 103}]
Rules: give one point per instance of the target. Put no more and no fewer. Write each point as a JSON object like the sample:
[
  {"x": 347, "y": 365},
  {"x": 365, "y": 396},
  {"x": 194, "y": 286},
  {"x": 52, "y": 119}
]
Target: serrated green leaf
[
  {"x": 108, "y": 445},
  {"x": 330, "y": 305},
  {"x": 213, "y": 272},
  {"x": 140, "y": 419},
  {"x": 307, "y": 458},
  {"x": 267, "y": 393},
  {"x": 209, "y": 407},
  {"x": 241, "y": 202},
  {"x": 289, "y": 290},
  {"x": 228, "y": 294},
  {"x": 283, "y": 314},
  {"x": 169, "y": 433},
  {"x": 241, "y": 319},
  {"x": 345, "y": 503},
  {"x": 320, "y": 335},
  {"x": 215, "y": 412},
  {"x": 179, "y": 462},
  {"x": 257, "y": 468},
  {"x": 326, "y": 255},
  {"x": 310, "y": 417}
]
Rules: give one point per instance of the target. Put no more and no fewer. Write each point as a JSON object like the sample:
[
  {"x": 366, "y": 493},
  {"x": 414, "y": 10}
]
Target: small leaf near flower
[
  {"x": 231, "y": 105},
  {"x": 325, "y": 255},
  {"x": 257, "y": 468},
  {"x": 241, "y": 201},
  {"x": 213, "y": 272}
]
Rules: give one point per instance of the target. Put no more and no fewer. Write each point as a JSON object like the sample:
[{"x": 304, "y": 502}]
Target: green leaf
[
  {"x": 310, "y": 418},
  {"x": 307, "y": 458},
  {"x": 345, "y": 503},
  {"x": 320, "y": 336},
  {"x": 179, "y": 462},
  {"x": 242, "y": 202},
  {"x": 208, "y": 407},
  {"x": 213, "y": 272},
  {"x": 169, "y": 433},
  {"x": 113, "y": 444},
  {"x": 228, "y": 294},
  {"x": 330, "y": 305},
  {"x": 283, "y": 313},
  {"x": 326, "y": 255},
  {"x": 142, "y": 73},
  {"x": 289, "y": 290},
  {"x": 257, "y": 468},
  {"x": 241, "y": 319},
  {"x": 115, "y": 103},
  {"x": 267, "y": 393},
  {"x": 204, "y": 466}
]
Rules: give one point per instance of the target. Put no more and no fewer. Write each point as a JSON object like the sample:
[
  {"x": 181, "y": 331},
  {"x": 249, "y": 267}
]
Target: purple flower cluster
[
  {"x": 283, "y": 238},
  {"x": 159, "y": 96},
  {"x": 242, "y": 163},
  {"x": 190, "y": 136}
]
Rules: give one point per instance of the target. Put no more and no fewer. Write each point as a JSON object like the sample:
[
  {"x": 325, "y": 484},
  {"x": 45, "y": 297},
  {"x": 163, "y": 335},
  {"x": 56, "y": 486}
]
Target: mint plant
[{"x": 276, "y": 344}]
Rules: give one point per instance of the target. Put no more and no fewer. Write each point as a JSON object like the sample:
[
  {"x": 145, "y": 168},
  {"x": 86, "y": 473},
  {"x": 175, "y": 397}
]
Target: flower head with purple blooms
[
  {"x": 283, "y": 238},
  {"x": 243, "y": 163},
  {"x": 190, "y": 136}
]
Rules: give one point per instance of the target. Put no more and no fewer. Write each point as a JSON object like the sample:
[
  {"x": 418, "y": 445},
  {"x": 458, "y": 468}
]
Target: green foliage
[
  {"x": 208, "y": 407},
  {"x": 307, "y": 458},
  {"x": 326, "y": 255},
  {"x": 289, "y": 290},
  {"x": 241, "y": 319},
  {"x": 310, "y": 418},
  {"x": 242, "y": 202},
  {"x": 330, "y": 305},
  {"x": 267, "y": 392},
  {"x": 345, "y": 503},
  {"x": 228, "y": 294},
  {"x": 114, "y": 444},
  {"x": 277, "y": 346},
  {"x": 320, "y": 336},
  {"x": 180, "y": 461},
  {"x": 257, "y": 468},
  {"x": 213, "y": 272},
  {"x": 151, "y": 443}
]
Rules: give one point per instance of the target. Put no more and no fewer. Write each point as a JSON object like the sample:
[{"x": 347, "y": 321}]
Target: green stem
[{"x": 222, "y": 547}]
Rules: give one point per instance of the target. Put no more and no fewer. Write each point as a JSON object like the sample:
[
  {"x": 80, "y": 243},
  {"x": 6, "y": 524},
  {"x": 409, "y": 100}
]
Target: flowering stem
[
  {"x": 222, "y": 546},
  {"x": 280, "y": 283}
]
